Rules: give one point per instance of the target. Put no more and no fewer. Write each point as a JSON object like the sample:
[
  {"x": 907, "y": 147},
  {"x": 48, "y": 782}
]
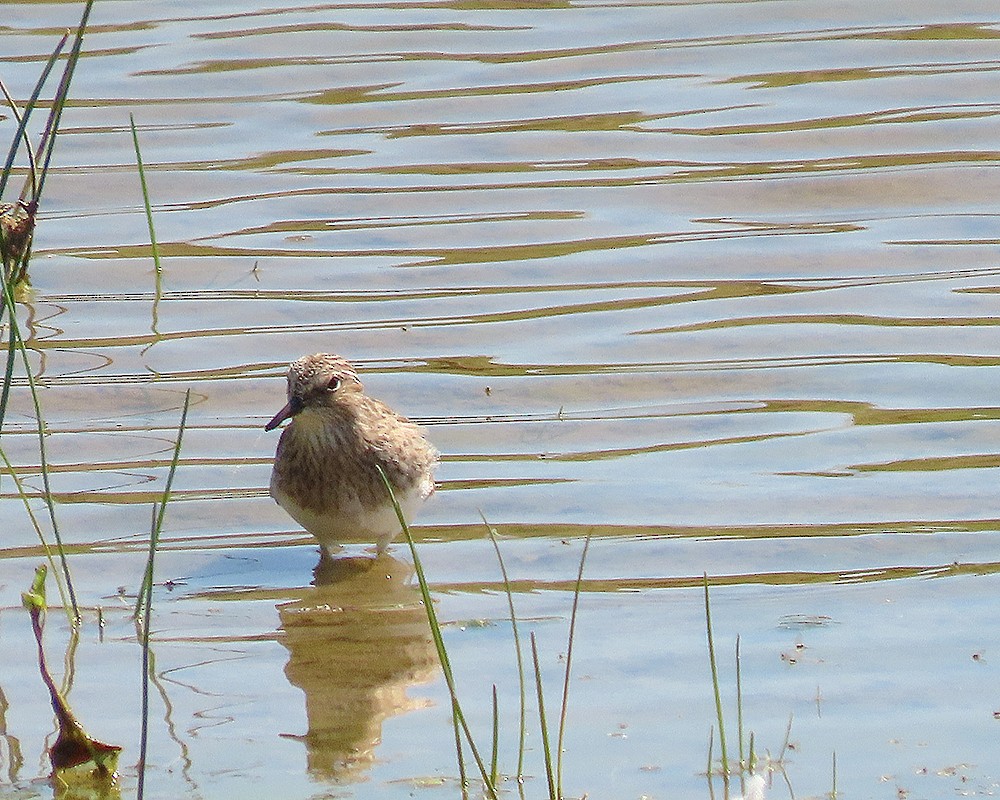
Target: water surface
[{"x": 713, "y": 283}]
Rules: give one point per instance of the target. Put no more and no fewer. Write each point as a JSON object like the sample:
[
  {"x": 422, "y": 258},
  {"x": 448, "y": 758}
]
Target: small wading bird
[{"x": 326, "y": 468}]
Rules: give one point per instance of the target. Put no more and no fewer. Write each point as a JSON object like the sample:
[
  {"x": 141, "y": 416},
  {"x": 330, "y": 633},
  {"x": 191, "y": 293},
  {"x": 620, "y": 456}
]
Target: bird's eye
[{"x": 334, "y": 384}]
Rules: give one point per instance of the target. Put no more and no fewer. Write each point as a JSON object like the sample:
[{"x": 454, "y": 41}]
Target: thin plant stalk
[
  {"x": 158, "y": 523},
  {"x": 569, "y": 664},
  {"x": 144, "y": 635},
  {"x": 144, "y": 602},
  {"x": 8, "y": 374},
  {"x": 546, "y": 747},
  {"x": 12, "y": 340},
  {"x": 781, "y": 757},
  {"x": 496, "y": 736},
  {"x": 711, "y": 744},
  {"x": 833, "y": 789},
  {"x": 141, "y": 605},
  {"x": 463, "y": 778},
  {"x": 154, "y": 246},
  {"x": 18, "y": 271},
  {"x": 22, "y": 135},
  {"x": 739, "y": 703},
  {"x": 44, "y": 465},
  {"x": 449, "y": 677},
  {"x": 788, "y": 737},
  {"x": 715, "y": 683},
  {"x": 15, "y": 341},
  {"x": 38, "y": 529},
  {"x": 153, "y": 243},
  {"x": 522, "y": 684},
  {"x": 788, "y": 783},
  {"x": 22, "y": 121},
  {"x": 16, "y": 347},
  {"x": 52, "y": 125}
]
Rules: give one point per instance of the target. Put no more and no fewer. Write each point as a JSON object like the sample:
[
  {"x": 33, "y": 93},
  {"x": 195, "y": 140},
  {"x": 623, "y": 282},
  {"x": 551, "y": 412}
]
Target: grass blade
[
  {"x": 569, "y": 663},
  {"x": 141, "y": 604},
  {"x": 38, "y": 528},
  {"x": 144, "y": 603},
  {"x": 463, "y": 778},
  {"x": 144, "y": 643},
  {"x": 546, "y": 748},
  {"x": 48, "y": 141},
  {"x": 787, "y": 740},
  {"x": 522, "y": 684},
  {"x": 154, "y": 246},
  {"x": 739, "y": 707},
  {"x": 496, "y": 737},
  {"x": 15, "y": 342},
  {"x": 157, "y": 526},
  {"x": 153, "y": 243},
  {"x": 715, "y": 684},
  {"x": 16, "y": 346},
  {"x": 711, "y": 745},
  {"x": 22, "y": 121},
  {"x": 449, "y": 677}
]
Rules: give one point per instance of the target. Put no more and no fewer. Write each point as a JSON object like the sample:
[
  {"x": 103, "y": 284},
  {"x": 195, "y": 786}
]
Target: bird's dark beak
[{"x": 290, "y": 410}]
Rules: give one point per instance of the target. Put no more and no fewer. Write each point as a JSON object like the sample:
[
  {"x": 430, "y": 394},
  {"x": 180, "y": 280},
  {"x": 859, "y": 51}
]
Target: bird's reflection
[{"x": 355, "y": 642}]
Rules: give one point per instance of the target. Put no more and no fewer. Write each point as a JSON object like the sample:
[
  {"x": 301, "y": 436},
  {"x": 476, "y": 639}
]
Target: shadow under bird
[{"x": 325, "y": 471}]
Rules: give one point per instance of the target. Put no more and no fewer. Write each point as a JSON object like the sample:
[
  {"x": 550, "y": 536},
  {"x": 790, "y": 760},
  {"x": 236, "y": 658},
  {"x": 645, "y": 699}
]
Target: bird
[{"x": 325, "y": 472}]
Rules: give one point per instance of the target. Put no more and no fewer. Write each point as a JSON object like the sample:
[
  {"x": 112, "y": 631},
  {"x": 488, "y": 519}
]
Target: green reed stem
[
  {"x": 739, "y": 703},
  {"x": 8, "y": 377},
  {"x": 569, "y": 664},
  {"x": 153, "y": 243},
  {"x": 154, "y": 246},
  {"x": 495, "y": 752},
  {"x": 16, "y": 341},
  {"x": 715, "y": 682},
  {"x": 522, "y": 683},
  {"x": 463, "y": 778},
  {"x": 17, "y": 346},
  {"x": 546, "y": 747},
  {"x": 787, "y": 740},
  {"x": 144, "y": 602},
  {"x": 833, "y": 789},
  {"x": 59, "y": 102},
  {"x": 21, "y": 136},
  {"x": 711, "y": 745},
  {"x": 157, "y": 525},
  {"x": 442, "y": 652},
  {"x": 147, "y": 600},
  {"x": 22, "y": 120},
  {"x": 46, "y": 484},
  {"x": 38, "y": 530}
]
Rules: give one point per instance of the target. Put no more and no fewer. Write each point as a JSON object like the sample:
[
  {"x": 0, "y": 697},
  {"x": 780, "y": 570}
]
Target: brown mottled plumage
[{"x": 325, "y": 472}]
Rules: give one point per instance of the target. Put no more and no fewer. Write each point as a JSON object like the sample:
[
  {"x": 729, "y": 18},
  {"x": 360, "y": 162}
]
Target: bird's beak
[{"x": 288, "y": 411}]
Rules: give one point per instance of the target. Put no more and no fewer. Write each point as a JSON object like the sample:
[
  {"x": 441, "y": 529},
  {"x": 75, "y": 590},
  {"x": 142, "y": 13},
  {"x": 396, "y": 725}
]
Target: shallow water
[{"x": 714, "y": 283}]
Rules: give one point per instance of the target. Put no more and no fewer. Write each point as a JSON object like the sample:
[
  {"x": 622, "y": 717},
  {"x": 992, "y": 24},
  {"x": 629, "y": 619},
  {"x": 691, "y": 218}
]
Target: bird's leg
[{"x": 327, "y": 552}]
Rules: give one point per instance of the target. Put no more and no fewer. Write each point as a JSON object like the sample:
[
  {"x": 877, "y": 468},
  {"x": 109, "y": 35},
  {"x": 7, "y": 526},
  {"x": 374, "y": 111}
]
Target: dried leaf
[
  {"x": 75, "y": 756},
  {"x": 17, "y": 224}
]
